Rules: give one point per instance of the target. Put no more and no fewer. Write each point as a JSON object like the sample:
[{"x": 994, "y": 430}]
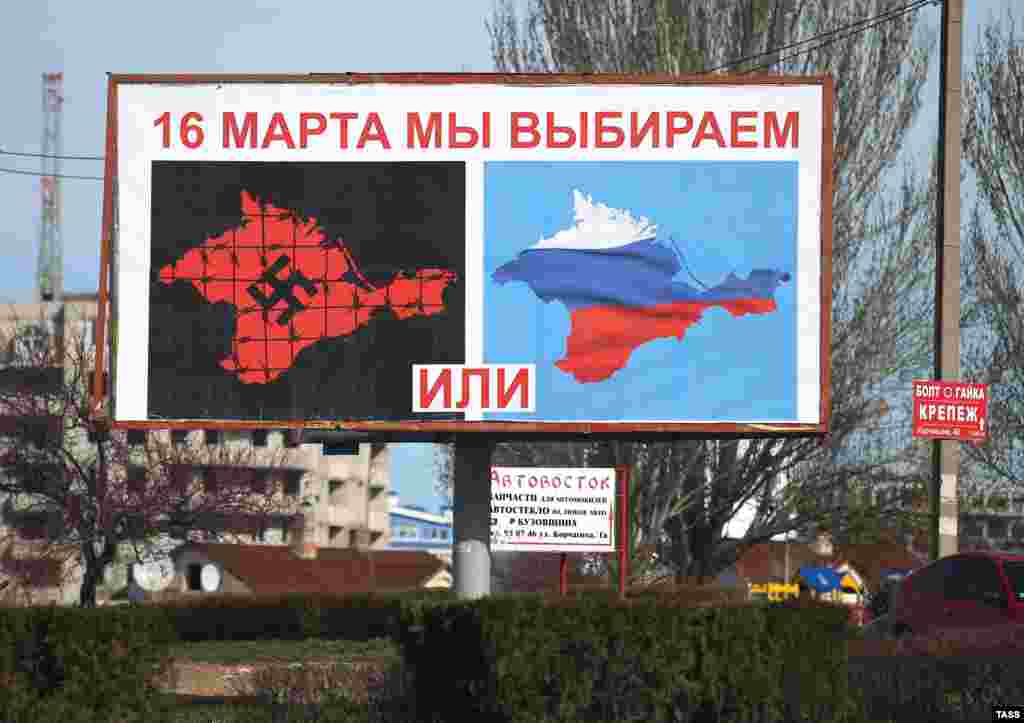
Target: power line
[
  {"x": 48, "y": 155},
  {"x": 832, "y": 36},
  {"x": 50, "y": 175},
  {"x": 905, "y": 10},
  {"x": 855, "y": 27}
]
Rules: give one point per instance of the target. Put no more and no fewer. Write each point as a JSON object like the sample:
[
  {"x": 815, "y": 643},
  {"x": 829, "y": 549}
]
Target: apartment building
[
  {"x": 336, "y": 501},
  {"x": 31, "y": 569},
  {"x": 342, "y": 499}
]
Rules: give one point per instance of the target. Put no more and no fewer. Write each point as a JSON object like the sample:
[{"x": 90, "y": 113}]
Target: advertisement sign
[
  {"x": 451, "y": 253},
  {"x": 950, "y": 410},
  {"x": 540, "y": 509}
]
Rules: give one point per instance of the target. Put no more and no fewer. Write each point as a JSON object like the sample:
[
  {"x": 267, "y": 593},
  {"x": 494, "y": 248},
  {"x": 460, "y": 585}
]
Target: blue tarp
[
  {"x": 894, "y": 574},
  {"x": 821, "y": 579}
]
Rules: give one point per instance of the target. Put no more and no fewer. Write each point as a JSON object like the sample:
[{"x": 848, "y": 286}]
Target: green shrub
[
  {"x": 589, "y": 658},
  {"x": 362, "y": 616},
  {"x": 100, "y": 662}
]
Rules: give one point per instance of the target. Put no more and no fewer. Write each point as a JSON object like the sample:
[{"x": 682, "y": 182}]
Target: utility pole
[
  {"x": 471, "y": 519},
  {"x": 946, "y": 453}
]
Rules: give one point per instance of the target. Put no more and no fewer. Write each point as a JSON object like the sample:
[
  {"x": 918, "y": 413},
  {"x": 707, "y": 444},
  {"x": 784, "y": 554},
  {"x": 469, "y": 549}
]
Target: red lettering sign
[
  {"x": 950, "y": 410},
  {"x": 487, "y": 388}
]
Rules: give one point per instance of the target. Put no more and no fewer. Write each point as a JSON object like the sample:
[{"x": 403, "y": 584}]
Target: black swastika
[{"x": 284, "y": 290}]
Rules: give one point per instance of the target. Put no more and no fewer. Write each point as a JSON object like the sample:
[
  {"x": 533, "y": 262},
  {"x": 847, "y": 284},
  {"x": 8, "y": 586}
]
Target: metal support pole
[
  {"x": 946, "y": 453},
  {"x": 623, "y": 530},
  {"x": 471, "y": 516},
  {"x": 563, "y": 575}
]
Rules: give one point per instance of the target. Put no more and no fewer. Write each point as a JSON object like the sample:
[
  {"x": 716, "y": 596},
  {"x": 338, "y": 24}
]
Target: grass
[
  {"x": 234, "y": 652},
  {"x": 339, "y": 693},
  {"x": 302, "y": 684}
]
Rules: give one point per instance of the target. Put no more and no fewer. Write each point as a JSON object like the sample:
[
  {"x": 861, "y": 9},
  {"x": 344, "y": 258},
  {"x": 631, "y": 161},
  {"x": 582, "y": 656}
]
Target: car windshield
[{"x": 1015, "y": 574}]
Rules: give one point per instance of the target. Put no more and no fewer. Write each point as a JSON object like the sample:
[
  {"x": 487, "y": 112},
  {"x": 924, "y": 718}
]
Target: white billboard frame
[{"x": 137, "y": 136}]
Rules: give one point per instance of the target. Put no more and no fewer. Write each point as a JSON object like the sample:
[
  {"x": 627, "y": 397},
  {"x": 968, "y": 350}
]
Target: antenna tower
[{"x": 50, "y": 271}]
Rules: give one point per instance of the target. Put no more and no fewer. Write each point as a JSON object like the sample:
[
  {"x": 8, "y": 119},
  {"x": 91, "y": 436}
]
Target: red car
[{"x": 971, "y": 591}]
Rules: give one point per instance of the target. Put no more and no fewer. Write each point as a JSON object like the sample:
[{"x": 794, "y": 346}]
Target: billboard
[
  {"x": 541, "y": 509},
  {"x": 950, "y": 410},
  {"x": 447, "y": 253}
]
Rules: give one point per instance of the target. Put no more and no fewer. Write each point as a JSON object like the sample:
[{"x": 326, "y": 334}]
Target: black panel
[{"x": 392, "y": 218}]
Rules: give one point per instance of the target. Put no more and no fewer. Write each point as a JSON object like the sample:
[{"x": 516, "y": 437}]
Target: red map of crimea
[{"x": 291, "y": 287}]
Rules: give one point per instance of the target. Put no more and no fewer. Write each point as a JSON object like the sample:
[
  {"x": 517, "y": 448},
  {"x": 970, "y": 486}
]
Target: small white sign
[
  {"x": 209, "y": 578},
  {"x": 154, "y": 576},
  {"x": 553, "y": 509}
]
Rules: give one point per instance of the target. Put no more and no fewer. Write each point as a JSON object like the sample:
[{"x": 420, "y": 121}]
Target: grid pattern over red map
[{"x": 291, "y": 287}]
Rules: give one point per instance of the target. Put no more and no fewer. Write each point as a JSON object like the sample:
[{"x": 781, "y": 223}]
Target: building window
[
  {"x": 997, "y": 529},
  {"x": 195, "y": 576},
  {"x": 973, "y": 528},
  {"x": 211, "y": 480},
  {"x": 259, "y": 437},
  {"x": 182, "y": 477},
  {"x": 34, "y": 571},
  {"x": 137, "y": 437},
  {"x": 335, "y": 494},
  {"x": 260, "y": 481},
  {"x": 291, "y": 438},
  {"x": 293, "y": 486},
  {"x": 407, "y": 531},
  {"x": 87, "y": 330},
  {"x": 136, "y": 475},
  {"x": 179, "y": 437},
  {"x": 212, "y": 436},
  {"x": 31, "y": 525},
  {"x": 31, "y": 345},
  {"x": 333, "y": 534},
  {"x": 444, "y": 534}
]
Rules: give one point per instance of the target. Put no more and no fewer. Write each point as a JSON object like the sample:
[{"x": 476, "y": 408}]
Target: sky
[{"x": 87, "y": 40}]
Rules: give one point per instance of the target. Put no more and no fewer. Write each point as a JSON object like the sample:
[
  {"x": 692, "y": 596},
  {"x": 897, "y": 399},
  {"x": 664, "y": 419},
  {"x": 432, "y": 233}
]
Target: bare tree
[
  {"x": 633, "y": 36},
  {"x": 444, "y": 468},
  {"x": 90, "y": 490},
  {"x": 882, "y": 256},
  {"x": 993, "y": 142}
]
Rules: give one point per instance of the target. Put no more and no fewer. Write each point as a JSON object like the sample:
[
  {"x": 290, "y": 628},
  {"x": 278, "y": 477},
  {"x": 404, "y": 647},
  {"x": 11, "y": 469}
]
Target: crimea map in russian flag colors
[{"x": 618, "y": 282}]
